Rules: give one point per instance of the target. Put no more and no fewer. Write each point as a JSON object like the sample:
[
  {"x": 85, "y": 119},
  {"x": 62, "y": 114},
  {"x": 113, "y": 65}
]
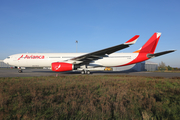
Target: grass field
[{"x": 90, "y": 97}]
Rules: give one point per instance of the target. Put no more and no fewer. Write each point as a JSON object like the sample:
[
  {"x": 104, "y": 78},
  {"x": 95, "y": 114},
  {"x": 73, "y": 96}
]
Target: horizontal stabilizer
[{"x": 159, "y": 54}]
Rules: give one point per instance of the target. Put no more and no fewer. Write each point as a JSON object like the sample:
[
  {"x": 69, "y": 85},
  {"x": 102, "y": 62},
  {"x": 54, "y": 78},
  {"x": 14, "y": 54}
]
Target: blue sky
[{"x": 53, "y": 26}]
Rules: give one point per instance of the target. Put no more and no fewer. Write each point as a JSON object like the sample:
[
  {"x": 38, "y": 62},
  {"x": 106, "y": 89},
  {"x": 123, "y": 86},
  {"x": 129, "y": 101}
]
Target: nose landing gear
[{"x": 20, "y": 70}]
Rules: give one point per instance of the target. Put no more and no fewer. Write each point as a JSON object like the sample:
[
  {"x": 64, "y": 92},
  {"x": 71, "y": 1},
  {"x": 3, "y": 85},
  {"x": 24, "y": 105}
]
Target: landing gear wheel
[
  {"x": 88, "y": 72},
  {"x": 19, "y": 71},
  {"x": 82, "y": 72}
]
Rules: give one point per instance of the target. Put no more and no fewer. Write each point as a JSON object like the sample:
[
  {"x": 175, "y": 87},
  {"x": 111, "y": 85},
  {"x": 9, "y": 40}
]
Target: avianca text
[{"x": 32, "y": 57}]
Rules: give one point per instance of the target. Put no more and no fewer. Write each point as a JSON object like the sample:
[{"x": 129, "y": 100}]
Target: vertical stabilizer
[{"x": 150, "y": 45}]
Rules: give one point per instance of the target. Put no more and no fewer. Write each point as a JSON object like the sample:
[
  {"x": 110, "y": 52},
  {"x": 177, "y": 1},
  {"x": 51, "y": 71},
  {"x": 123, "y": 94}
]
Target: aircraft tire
[
  {"x": 19, "y": 71},
  {"x": 82, "y": 72},
  {"x": 88, "y": 72}
]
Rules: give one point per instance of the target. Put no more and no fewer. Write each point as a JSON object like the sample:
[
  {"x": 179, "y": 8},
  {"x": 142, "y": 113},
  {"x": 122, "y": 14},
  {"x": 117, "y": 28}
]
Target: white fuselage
[{"x": 45, "y": 59}]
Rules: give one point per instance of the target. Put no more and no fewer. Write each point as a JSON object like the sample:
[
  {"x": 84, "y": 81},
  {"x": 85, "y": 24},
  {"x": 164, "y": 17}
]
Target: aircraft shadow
[{"x": 92, "y": 72}]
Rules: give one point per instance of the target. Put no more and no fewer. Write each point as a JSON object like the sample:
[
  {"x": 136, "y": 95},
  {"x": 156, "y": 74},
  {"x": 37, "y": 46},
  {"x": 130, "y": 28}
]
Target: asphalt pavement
[{"x": 44, "y": 72}]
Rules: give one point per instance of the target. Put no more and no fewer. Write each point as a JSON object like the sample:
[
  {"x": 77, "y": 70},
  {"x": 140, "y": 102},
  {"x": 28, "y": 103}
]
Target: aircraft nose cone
[{"x": 5, "y": 61}]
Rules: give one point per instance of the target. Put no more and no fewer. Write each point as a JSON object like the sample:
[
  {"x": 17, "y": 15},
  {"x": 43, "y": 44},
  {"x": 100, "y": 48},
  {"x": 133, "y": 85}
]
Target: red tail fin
[{"x": 150, "y": 45}]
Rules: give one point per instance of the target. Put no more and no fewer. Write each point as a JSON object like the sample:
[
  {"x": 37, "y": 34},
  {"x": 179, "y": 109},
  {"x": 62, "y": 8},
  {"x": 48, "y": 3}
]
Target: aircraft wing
[
  {"x": 159, "y": 53},
  {"x": 87, "y": 58}
]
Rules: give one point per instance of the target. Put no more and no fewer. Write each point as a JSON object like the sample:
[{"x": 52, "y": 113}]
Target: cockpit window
[{"x": 8, "y": 58}]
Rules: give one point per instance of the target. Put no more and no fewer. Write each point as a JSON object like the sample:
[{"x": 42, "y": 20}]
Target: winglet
[{"x": 132, "y": 40}]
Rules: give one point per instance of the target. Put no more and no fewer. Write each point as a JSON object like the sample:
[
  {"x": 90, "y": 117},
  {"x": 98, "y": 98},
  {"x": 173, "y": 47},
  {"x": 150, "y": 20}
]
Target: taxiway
[{"x": 44, "y": 72}]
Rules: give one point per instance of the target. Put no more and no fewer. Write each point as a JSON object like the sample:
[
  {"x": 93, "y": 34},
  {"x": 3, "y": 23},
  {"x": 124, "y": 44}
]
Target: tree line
[{"x": 162, "y": 66}]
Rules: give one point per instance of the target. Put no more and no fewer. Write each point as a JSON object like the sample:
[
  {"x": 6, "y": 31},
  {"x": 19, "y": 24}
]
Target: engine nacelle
[{"x": 61, "y": 66}]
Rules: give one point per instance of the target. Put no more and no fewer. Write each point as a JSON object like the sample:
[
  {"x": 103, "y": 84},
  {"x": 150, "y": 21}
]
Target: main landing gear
[{"x": 85, "y": 72}]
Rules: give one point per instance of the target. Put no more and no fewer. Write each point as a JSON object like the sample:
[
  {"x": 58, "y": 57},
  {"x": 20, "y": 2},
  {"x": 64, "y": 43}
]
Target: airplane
[{"x": 60, "y": 62}]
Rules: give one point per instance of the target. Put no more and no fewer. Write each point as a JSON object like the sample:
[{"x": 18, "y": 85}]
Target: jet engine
[{"x": 62, "y": 66}]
